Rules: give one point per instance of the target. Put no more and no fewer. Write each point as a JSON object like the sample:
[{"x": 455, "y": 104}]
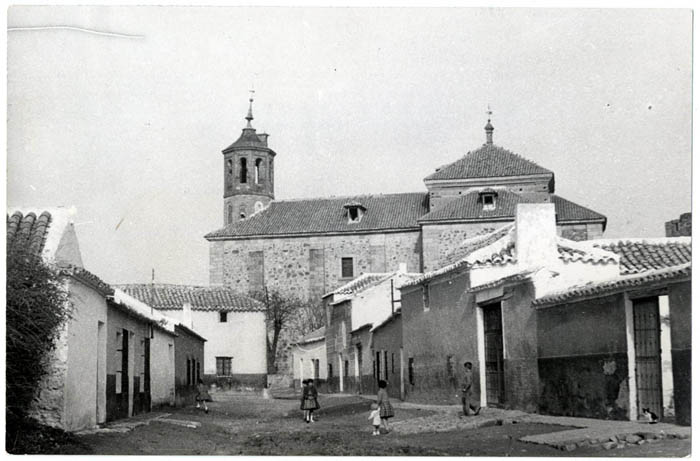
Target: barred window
[
  {"x": 346, "y": 268},
  {"x": 223, "y": 366}
]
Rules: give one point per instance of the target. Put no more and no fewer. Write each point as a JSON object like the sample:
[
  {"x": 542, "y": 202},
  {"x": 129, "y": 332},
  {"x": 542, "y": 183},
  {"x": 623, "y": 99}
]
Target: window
[
  {"x": 346, "y": 268},
  {"x": 223, "y": 366},
  {"x": 244, "y": 170},
  {"x": 198, "y": 365},
  {"x": 317, "y": 368},
  {"x": 386, "y": 366},
  {"x": 354, "y": 214},
  {"x": 229, "y": 218},
  {"x": 330, "y": 371},
  {"x": 354, "y": 211},
  {"x": 189, "y": 372},
  {"x": 142, "y": 367},
  {"x": 426, "y": 297},
  {"x": 347, "y": 369},
  {"x": 223, "y": 317},
  {"x": 258, "y": 176},
  {"x": 410, "y": 371},
  {"x": 392, "y": 364},
  {"x": 488, "y": 200},
  {"x": 229, "y": 165}
]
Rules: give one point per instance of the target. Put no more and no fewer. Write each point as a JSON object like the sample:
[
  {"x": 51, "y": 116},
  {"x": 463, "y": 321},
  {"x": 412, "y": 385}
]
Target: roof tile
[
  {"x": 488, "y": 161},
  {"x": 327, "y": 215},
  {"x": 638, "y": 256},
  {"x": 173, "y": 297}
]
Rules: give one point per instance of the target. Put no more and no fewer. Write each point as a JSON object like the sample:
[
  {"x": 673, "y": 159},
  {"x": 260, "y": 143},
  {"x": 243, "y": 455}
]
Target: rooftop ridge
[{"x": 345, "y": 197}]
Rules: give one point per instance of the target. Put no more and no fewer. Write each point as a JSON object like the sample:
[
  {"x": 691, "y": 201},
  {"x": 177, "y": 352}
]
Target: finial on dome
[
  {"x": 489, "y": 127},
  {"x": 249, "y": 117}
]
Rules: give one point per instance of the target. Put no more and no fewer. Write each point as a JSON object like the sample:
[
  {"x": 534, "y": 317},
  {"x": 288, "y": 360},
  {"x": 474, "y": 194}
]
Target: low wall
[{"x": 237, "y": 381}]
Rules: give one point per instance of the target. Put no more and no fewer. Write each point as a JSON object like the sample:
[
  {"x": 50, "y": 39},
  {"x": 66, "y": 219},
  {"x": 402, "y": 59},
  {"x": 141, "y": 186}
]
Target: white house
[
  {"x": 72, "y": 394},
  {"x": 234, "y": 325},
  {"x": 309, "y": 357}
]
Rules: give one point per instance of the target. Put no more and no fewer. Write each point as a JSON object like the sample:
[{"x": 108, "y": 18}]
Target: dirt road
[{"x": 244, "y": 424}]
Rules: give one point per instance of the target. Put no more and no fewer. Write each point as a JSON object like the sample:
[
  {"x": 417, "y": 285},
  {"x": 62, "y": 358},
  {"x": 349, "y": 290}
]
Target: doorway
[
  {"x": 493, "y": 348},
  {"x": 647, "y": 346}
]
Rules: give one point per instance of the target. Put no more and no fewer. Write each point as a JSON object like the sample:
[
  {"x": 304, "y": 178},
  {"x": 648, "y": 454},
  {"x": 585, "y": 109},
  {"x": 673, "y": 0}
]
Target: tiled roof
[
  {"x": 572, "y": 251},
  {"x": 468, "y": 207},
  {"x": 88, "y": 278},
  {"x": 361, "y": 283},
  {"x": 248, "y": 138},
  {"x": 28, "y": 231},
  {"x": 173, "y": 297},
  {"x": 642, "y": 255},
  {"x": 327, "y": 215},
  {"x": 643, "y": 279},
  {"x": 316, "y": 335},
  {"x": 488, "y": 161},
  {"x": 472, "y": 244}
]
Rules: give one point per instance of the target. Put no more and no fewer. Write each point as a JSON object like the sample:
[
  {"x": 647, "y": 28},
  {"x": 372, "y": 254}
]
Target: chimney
[
  {"x": 187, "y": 315},
  {"x": 263, "y": 138},
  {"x": 536, "y": 235}
]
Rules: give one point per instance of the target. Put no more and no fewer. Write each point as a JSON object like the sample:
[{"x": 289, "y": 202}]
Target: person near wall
[
  {"x": 467, "y": 386},
  {"x": 202, "y": 396},
  {"x": 386, "y": 411}
]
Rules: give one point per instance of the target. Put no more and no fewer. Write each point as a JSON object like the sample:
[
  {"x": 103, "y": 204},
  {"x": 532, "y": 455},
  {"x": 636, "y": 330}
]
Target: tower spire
[
  {"x": 249, "y": 117},
  {"x": 489, "y": 128}
]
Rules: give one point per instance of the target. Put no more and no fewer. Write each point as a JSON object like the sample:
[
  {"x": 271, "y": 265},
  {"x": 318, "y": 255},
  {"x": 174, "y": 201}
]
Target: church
[{"x": 309, "y": 247}]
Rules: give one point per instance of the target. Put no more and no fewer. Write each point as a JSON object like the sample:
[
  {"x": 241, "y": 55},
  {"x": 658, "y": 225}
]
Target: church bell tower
[{"x": 249, "y": 180}]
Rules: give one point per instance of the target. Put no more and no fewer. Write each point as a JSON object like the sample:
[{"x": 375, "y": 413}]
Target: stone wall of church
[{"x": 308, "y": 267}]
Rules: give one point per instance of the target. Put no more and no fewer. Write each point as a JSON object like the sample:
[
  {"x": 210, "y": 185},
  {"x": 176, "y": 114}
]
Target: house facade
[
  {"x": 234, "y": 325},
  {"x": 310, "y": 247},
  {"x": 72, "y": 393},
  {"x": 308, "y": 359},
  {"x": 352, "y": 311},
  {"x": 521, "y": 303}
]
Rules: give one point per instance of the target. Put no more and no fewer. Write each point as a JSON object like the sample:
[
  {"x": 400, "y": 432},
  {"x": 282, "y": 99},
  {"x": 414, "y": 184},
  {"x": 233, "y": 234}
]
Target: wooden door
[
  {"x": 493, "y": 338},
  {"x": 647, "y": 346}
]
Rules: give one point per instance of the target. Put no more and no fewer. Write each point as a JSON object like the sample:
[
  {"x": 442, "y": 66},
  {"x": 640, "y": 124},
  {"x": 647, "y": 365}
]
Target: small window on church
[
  {"x": 230, "y": 214},
  {"x": 354, "y": 214},
  {"x": 244, "y": 171},
  {"x": 354, "y": 211},
  {"x": 346, "y": 268},
  {"x": 258, "y": 175},
  {"x": 488, "y": 199},
  {"x": 230, "y": 167}
]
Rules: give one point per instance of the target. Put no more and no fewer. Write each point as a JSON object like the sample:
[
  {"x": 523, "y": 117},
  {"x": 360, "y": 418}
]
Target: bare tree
[{"x": 280, "y": 310}]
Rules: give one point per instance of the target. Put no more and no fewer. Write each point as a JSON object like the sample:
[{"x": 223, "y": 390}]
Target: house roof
[
  {"x": 28, "y": 231},
  {"x": 87, "y": 277},
  {"x": 360, "y": 283},
  {"x": 488, "y": 161},
  {"x": 173, "y": 297},
  {"x": 316, "y": 335},
  {"x": 644, "y": 279},
  {"x": 328, "y": 215},
  {"x": 640, "y": 255},
  {"x": 469, "y": 207}
]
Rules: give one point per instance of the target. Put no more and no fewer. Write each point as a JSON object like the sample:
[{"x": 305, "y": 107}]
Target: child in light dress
[{"x": 376, "y": 419}]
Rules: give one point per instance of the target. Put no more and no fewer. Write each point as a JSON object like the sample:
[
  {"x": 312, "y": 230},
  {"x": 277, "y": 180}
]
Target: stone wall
[
  {"x": 308, "y": 267},
  {"x": 47, "y": 406},
  {"x": 580, "y": 232},
  {"x": 681, "y": 227}
]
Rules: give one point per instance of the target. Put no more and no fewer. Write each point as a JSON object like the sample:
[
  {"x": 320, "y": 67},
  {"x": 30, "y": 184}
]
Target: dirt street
[{"x": 245, "y": 424}]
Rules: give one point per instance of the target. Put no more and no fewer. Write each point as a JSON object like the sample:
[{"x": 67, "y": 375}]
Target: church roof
[
  {"x": 248, "y": 138},
  {"x": 172, "y": 297},
  {"x": 468, "y": 207},
  {"x": 488, "y": 161},
  {"x": 389, "y": 212}
]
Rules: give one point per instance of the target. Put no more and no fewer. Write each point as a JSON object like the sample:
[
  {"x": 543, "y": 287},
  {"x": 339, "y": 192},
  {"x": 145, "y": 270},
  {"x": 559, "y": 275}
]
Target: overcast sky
[{"x": 129, "y": 127}]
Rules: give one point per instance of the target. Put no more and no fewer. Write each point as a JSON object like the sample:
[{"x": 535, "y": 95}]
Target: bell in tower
[{"x": 249, "y": 180}]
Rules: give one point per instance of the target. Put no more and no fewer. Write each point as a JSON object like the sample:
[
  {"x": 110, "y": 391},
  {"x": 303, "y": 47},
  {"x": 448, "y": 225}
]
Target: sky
[{"x": 123, "y": 112}]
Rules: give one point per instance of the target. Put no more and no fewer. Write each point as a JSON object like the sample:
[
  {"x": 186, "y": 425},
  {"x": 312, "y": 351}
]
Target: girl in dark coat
[
  {"x": 386, "y": 411},
  {"x": 202, "y": 395},
  {"x": 309, "y": 401}
]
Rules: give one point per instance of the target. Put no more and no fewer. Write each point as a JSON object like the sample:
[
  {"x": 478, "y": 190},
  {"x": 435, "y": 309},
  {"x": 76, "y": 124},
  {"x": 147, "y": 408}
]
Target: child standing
[
  {"x": 386, "y": 411},
  {"x": 202, "y": 395},
  {"x": 304, "y": 397},
  {"x": 376, "y": 419},
  {"x": 312, "y": 400}
]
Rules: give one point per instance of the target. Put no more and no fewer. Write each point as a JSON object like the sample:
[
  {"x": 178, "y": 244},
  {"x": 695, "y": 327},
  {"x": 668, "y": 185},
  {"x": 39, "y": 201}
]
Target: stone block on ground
[{"x": 609, "y": 445}]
